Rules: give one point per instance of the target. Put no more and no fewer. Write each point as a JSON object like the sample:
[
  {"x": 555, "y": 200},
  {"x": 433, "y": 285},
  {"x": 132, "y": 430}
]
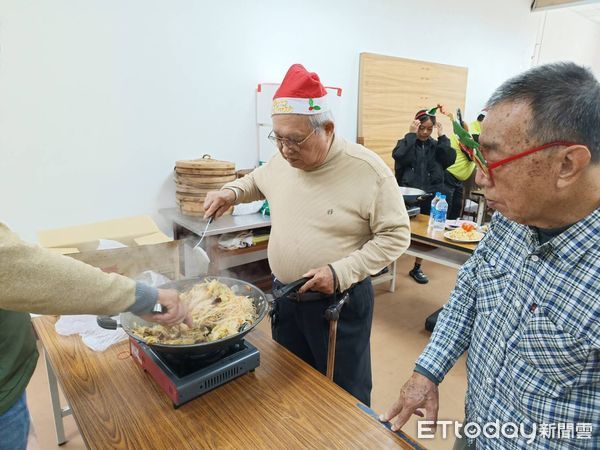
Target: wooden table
[
  {"x": 284, "y": 403},
  {"x": 433, "y": 246}
]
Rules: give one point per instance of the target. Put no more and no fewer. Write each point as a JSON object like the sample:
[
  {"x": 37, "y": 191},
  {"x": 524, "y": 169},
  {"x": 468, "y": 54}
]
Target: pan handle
[
  {"x": 270, "y": 300},
  {"x": 107, "y": 322},
  {"x": 293, "y": 286}
]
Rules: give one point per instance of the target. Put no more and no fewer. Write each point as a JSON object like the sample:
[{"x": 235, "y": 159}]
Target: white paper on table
[{"x": 95, "y": 337}]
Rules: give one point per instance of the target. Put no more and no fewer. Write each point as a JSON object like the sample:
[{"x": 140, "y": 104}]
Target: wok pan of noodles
[{"x": 224, "y": 310}]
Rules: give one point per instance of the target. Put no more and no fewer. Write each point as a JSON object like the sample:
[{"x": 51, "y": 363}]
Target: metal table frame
[{"x": 58, "y": 412}]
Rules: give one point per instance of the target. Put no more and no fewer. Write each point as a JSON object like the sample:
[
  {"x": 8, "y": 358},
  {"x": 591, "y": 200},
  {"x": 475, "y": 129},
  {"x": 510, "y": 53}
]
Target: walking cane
[{"x": 332, "y": 313}]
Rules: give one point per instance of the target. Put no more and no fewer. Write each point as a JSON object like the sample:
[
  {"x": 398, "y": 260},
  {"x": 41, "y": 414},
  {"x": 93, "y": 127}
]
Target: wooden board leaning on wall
[{"x": 392, "y": 90}]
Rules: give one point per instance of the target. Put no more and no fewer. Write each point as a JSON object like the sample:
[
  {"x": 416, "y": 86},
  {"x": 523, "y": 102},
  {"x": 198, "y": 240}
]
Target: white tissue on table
[{"x": 95, "y": 337}]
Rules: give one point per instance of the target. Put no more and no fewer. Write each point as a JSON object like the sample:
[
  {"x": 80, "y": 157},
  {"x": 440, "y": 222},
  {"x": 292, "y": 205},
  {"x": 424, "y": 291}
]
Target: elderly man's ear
[
  {"x": 329, "y": 127},
  {"x": 575, "y": 160}
]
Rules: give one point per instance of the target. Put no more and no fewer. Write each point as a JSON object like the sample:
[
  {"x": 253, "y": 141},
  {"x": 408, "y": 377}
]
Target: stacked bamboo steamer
[{"x": 194, "y": 178}]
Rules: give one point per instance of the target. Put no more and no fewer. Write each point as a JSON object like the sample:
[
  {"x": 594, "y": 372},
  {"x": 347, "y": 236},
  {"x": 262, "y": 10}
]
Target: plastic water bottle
[
  {"x": 441, "y": 210},
  {"x": 432, "y": 209}
]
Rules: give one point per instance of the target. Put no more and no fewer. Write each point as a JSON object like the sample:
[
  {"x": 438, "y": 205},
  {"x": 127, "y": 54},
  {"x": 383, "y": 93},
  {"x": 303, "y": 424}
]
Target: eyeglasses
[
  {"x": 486, "y": 168},
  {"x": 290, "y": 144}
]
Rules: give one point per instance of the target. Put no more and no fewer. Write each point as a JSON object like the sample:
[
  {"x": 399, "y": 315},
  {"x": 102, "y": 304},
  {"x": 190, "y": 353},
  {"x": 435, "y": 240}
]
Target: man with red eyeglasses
[{"x": 527, "y": 303}]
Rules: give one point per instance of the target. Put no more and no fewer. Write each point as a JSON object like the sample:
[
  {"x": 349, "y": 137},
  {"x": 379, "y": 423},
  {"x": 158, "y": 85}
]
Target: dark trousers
[
  {"x": 301, "y": 327},
  {"x": 454, "y": 190}
]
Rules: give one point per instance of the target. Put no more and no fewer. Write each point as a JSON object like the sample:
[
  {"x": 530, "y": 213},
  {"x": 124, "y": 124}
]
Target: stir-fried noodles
[{"x": 216, "y": 310}]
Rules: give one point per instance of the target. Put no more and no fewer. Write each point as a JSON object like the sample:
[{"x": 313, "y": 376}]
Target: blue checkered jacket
[{"x": 529, "y": 316}]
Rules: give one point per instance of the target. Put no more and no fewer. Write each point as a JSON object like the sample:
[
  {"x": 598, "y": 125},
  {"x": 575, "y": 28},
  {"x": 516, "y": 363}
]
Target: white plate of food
[{"x": 464, "y": 236}]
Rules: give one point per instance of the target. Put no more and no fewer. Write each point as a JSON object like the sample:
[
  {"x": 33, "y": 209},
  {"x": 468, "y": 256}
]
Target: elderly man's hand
[
  {"x": 176, "y": 311},
  {"x": 321, "y": 280},
  {"x": 414, "y": 126},
  {"x": 418, "y": 392},
  {"x": 217, "y": 202}
]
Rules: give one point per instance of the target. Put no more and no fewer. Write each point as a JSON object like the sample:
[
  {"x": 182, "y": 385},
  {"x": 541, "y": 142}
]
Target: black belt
[
  {"x": 309, "y": 296},
  {"x": 295, "y": 296},
  {"x": 312, "y": 296}
]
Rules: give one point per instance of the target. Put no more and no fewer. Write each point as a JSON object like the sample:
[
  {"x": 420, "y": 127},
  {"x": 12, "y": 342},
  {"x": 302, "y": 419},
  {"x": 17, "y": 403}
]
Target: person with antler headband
[{"x": 420, "y": 162}]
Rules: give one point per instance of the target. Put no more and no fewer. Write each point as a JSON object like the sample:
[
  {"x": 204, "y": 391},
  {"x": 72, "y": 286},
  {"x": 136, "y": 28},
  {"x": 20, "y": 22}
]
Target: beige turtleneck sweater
[{"x": 348, "y": 212}]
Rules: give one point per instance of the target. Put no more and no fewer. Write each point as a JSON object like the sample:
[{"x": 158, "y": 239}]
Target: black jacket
[{"x": 420, "y": 164}]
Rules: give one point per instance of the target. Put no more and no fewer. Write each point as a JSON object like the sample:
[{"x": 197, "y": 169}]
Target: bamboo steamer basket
[
  {"x": 189, "y": 200},
  {"x": 205, "y": 172},
  {"x": 192, "y": 209},
  {"x": 192, "y": 190},
  {"x": 203, "y": 181},
  {"x": 206, "y": 163},
  {"x": 192, "y": 206},
  {"x": 195, "y": 178}
]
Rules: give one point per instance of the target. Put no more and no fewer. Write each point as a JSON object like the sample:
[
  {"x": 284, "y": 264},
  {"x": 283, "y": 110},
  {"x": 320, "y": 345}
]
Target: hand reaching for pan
[{"x": 175, "y": 313}]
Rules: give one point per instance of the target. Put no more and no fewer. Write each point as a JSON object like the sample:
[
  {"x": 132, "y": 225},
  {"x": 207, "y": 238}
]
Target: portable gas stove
[{"x": 185, "y": 377}]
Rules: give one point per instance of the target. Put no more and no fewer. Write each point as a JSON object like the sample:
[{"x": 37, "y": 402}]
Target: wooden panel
[
  {"x": 383, "y": 147},
  {"x": 393, "y": 89},
  {"x": 283, "y": 404}
]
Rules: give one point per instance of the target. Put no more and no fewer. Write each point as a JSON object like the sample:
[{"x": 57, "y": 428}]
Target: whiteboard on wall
[{"x": 264, "y": 99}]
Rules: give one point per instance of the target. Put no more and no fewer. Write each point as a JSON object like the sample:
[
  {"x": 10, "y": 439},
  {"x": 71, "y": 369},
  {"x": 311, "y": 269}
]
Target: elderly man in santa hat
[{"x": 337, "y": 218}]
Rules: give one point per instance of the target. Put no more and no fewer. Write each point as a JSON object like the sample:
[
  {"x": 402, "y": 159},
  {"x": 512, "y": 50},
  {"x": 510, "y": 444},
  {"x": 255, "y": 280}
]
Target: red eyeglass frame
[{"x": 490, "y": 166}]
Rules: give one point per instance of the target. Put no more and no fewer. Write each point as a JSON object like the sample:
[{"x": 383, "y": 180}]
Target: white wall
[
  {"x": 98, "y": 98},
  {"x": 568, "y": 35}
]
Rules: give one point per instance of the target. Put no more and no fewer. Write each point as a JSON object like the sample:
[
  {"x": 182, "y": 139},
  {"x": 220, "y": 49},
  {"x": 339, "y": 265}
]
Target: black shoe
[{"x": 418, "y": 275}]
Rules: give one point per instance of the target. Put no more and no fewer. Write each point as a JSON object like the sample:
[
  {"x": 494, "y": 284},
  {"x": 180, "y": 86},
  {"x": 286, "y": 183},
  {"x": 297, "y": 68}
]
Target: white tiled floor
[{"x": 397, "y": 339}]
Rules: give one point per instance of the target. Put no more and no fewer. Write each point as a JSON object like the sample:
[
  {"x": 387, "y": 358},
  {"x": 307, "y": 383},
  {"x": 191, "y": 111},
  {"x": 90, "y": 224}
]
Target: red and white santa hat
[{"x": 300, "y": 92}]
